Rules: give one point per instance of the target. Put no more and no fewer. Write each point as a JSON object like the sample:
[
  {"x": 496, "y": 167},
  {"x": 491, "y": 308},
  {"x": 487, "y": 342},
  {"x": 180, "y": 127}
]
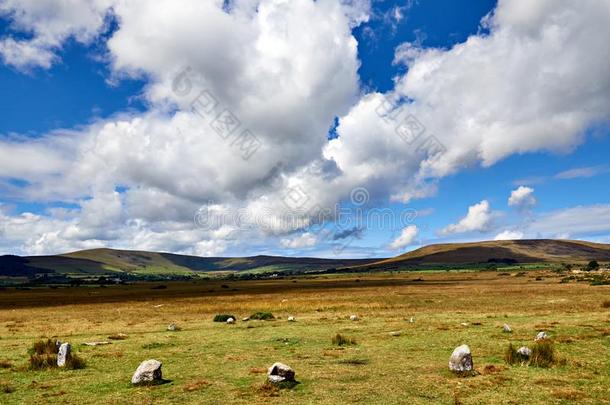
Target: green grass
[{"x": 209, "y": 362}]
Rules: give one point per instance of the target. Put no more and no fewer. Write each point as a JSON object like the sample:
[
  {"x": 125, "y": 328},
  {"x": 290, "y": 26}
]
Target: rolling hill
[
  {"x": 509, "y": 252},
  {"x": 139, "y": 263},
  {"x": 111, "y": 261}
]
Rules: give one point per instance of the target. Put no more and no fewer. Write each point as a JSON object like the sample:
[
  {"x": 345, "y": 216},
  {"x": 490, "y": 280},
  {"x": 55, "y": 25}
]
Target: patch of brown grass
[
  {"x": 118, "y": 336},
  {"x": 5, "y": 364},
  {"x": 6, "y": 387},
  {"x": 258, "y": 370},
  {"x": 195, "y": 385},
  {"x": 568, "y": 394},
  {"x": 606, "y": 304},
  {"x": 342, "y": 340},
  {"x": 268, "y": 390},
  {"x": 491, "y": 369}
]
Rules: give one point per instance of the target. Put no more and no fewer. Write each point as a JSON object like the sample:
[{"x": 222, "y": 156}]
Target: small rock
[
  {"x": 354, "y": 318},
  {"x": 506, "y": 329},
  {"x": 246, "y": 319},
  {"x": 292, "y": 319},
  {"x": 172, "y": 327},
  {"x": 63, "y": 354},
  {"x": 464, "y": 324},
  {"x": 147, "y": 372},
  {"x": 280, "y": 372},
  {"x": 230, "y": 321},
  {"x": 461, "y": 359},
  {"x": 101, "y": 343},
  {"x": 395, "y": 333},
  {"x": 541, "y": 336},
  {"x": 524, "y": 351},
  {"x": 412, "y": 320}
]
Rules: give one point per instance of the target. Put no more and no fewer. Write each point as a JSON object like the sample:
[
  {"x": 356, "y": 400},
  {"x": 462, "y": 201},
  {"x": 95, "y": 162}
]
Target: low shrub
[
  {"x": 262, "y": 316},
  {"x": 43, "y": 355},
  {"x": 341, "y": 340},
  {"x": 223, "y": 317},
  {"x": 606, "y": 304},
  {"x": 543, "y": 355}
]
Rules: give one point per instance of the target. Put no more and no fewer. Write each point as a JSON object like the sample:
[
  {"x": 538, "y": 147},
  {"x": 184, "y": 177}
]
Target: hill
[
  {"x": 508, "y": 252},
  {"x": 117, "y": 262}
]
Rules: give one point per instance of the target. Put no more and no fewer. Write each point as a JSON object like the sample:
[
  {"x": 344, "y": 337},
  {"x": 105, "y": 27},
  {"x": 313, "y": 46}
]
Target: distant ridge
[
  {"x": 111, "y": 261},
  {"x": 505, "y": 251}
]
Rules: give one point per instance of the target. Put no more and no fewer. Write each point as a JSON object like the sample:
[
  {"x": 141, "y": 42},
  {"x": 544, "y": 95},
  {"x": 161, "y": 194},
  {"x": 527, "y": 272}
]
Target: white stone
[
  {"x": 506, "y": 329},
  {"x": 541, "y": 336},
  {"x": 461, "y": 359},
  {"x": 148, "y": 371},
  {"x": 354, "y": 318},
  {"x": 63, "y": 354},
  {"x": 280, "y": 372},
  {"x": 524, "y": 351},
  {"x": 291, "y": 319},
  {"x": 230, "y": 321}
]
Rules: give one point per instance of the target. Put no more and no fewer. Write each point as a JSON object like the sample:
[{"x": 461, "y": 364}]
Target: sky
[{"x": 329, "y": 128}]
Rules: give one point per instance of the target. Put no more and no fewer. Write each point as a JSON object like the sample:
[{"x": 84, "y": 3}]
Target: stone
[
  {"x": 231, "y": 321},
  {"x": 461, "y": 359},
  {"x": 524, "y": 351},
  {"x": 149, "y": 371},
  {"x": 100, "y": 343},
  {"x": 63, "y": 354},
  {"x": 541, "y": 336},
  {"x": 354, "y": 318},
  {"x": 506, "y": 329},
  {"x": 412, "y": 320},
  {"x": 172, "y": 327},
  {"x": 291, "y": 319},
  {"x": 246, "y": 319},
  {"x": 395, "y": 333},
  {"x": 464, "y": 323},
  {"x": 280, "y": 372}
]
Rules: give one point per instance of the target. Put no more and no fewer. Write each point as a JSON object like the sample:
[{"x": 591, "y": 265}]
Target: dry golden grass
[{"x": 210, "y": 362}]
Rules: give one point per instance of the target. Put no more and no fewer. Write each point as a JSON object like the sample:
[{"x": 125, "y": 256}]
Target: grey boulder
[
  {"x": 524, "y": 351},
  {"x": 461, "y": 359},
  {"x": 63, "y": 354},
  {"x": 280, "y": 372},
  {"x": 149, "y": 371}
]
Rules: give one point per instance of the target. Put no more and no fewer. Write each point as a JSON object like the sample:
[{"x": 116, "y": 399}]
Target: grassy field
[{"x": 213, "y": 363}]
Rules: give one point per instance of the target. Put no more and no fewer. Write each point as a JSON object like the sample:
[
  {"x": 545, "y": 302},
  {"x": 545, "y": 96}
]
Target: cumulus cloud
[
  {"x": 49, "y": 24},
  {"x": 479, "y": 218},
  {"x": 306, "y": 239},
  {"x": 407, "y": 237},
  {"x": 284, "y": 70},
  {"x": 509, "y": 235},
  {"x": 522, "y": 198}
]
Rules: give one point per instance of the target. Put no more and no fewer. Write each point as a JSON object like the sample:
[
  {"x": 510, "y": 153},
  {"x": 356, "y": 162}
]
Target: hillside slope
[
  {"x": 111, "y": 261},
  {"x": 509, "y": 251}
]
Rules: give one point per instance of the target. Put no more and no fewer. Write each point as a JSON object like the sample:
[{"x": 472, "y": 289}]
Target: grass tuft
[
  {"x": 6, "y": 387},
  {"x": 543, "y": 355},
  {"x": 606, "y": 304},
  {"x": 341, "y": 340},
  {"x": 262, "y": 316},
  {"x": 43, "y": 355},
  {"x": 5, "y": 364},
  {"x": 223, "y": 317}
]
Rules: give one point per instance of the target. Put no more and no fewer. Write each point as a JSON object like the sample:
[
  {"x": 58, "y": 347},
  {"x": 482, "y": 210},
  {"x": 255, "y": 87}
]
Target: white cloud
[
  {"x": 582, "y": 172},
  {"x": 479, "y": 218},
  {"x": 509, "y": 235},
  {"x": 575, "y": 221},
  {"x": 536, "y": 82},
  {"x": 306, "y": 239},
  {"x": 522, "y": 198},
  {"x": 407, "y": 237},
  {"x": 50, "y": 23}
]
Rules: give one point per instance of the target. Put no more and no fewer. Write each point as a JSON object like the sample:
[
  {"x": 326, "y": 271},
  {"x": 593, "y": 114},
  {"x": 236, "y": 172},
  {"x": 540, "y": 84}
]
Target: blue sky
[{"x": 100, "y": 149}]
